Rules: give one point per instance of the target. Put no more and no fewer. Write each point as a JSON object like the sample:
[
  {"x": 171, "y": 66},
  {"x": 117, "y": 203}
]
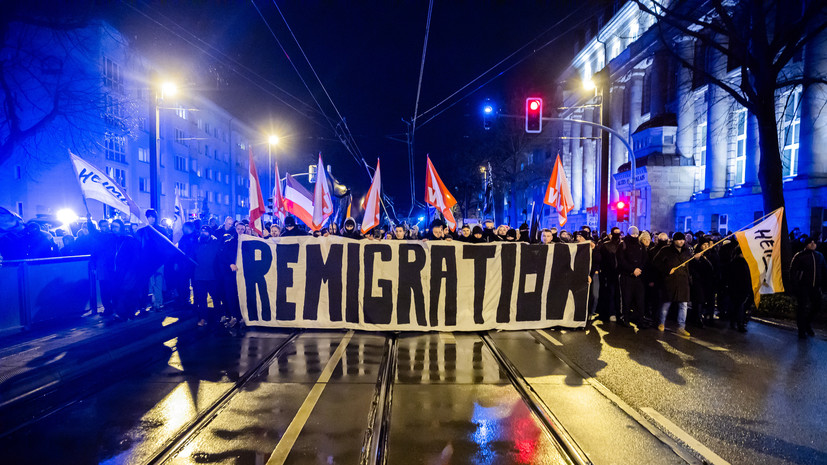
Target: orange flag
[
  {"x": 437, "y": 195},
  {"x": 558, "y": 194},
  {"x": 257, "y": 208}
]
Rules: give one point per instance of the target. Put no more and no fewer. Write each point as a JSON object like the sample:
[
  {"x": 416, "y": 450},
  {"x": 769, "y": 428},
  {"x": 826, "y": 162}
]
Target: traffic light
[
  {"x": 487, "y": 114},
  {"x": 622, "y": 207},
  {"x": 533, "y": 115}
]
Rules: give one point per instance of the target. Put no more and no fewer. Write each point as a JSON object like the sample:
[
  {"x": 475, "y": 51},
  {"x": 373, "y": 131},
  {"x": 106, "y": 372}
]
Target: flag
[
  {"x": 322, "y": 203},
  {"x": 97, "y": 185},
  {"x": 278, "y": 198},
  {"x": 437, "y": 195},
  {"x": 297, "y": 200},
  {"x": 257, "y": 209},
  {"x": 558, "y": 194},
  {"x": 177, "y": 220},
  {"x": 350, "y": 202},
  {"x": 761, "y": 245},
  {"x": 372, "y": 207}
]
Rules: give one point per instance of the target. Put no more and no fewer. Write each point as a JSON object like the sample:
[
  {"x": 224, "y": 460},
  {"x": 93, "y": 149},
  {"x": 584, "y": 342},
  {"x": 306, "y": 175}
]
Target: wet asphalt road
[{"x": 754, "y": 398}]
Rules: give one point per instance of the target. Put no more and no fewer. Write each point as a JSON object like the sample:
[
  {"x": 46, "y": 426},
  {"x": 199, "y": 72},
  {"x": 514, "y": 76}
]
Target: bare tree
[
  {"x": 51, "y": 90},
  {"x": 763, "y": 37}
]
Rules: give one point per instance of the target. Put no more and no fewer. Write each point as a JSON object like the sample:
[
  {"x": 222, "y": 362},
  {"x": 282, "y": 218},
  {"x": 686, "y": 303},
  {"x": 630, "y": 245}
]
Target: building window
[
  {"x": 18, "y": 172},
  {"x": 181, "y": 112},
  {"x": 700, "y": 157},
  {"x": 791, "y": 127},
  {"x": 20, "y": 209},
  {"x": 115, "y": 148},
  {"x": 143, "y": 155},
  {"x": 118, "y": 175},
  {"x": 646, "y": 98},
  {"x": 194, "y": 165},
  {"x": 209, "y": 174},
  {"x": 112, "y": 75},
  {"x": 143, "y": 184},
  {"x": 241, "y": 201},
  {"x": 740, "y": 144},
  {"x": 226, "y": 199},
  {"x": 180, "y": 163},
  {"x": 699, "y": 65},
  {"x": 207, "y": 128},
  {"x": 181, "y": 189},
  {"x": 627, "y": 98},
  {"x": 207, "y": 151},
  {"x": 210, "y": 196},
  {"x": 114, "y": 112},
  {"x": 180, "y": 137},
  {"x": 215, "y": 154}
]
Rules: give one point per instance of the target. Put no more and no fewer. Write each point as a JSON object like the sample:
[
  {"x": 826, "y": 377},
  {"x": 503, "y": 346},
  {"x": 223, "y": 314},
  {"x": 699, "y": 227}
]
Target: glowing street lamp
[
  {"x": 161, "y": 91},
  {"x": 168, "y": 89}
]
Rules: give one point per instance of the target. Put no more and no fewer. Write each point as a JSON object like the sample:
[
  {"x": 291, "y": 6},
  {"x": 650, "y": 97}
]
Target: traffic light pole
[{"x": 604, "y": 155}]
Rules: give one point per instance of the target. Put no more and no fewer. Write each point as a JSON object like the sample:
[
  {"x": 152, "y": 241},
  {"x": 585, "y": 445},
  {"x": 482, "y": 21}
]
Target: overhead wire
[
  {"x": 412, "y": 136},
  {"x": 348, "y": 134},
  {"x": 552, "y": 40},
  {"x": 481, "y": 75},
  {"x": 224, "y": 57}
]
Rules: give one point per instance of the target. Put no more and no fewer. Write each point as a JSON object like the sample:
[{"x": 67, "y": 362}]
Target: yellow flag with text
[{"x": 761, "y": 245}]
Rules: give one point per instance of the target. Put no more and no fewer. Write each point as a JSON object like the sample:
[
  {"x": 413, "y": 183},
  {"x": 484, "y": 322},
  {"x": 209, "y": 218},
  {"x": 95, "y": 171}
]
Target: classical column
[
  {"x": 589, "y": 160},
  {"x": 753, "y": 151},
  {"x": 717, "y": 123},
  {"x": 635, "y": 98},
  {"x": 686, "y": 100},
  {"x": 812, "y": 153},
  {"x": 618, "y": 154},
  {"x": 576, "y": 175}
]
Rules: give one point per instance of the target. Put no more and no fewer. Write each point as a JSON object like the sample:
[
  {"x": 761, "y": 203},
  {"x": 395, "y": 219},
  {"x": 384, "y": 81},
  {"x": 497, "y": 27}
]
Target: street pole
[
  {"x": 603, "y": 81},
  {"x": 270, "y": 175},
  {"x": 154, "y": 188}
]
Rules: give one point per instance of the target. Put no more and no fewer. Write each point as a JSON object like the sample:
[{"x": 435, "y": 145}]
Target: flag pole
[{"x": 723, "y": 239}]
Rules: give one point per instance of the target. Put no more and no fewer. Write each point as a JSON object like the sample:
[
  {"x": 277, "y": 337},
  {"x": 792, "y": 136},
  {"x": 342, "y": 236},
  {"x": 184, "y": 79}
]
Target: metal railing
[{"x": 41, "y": 290}]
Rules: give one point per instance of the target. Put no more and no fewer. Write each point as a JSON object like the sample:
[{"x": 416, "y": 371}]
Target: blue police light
[{"x": 488, "y": 109}]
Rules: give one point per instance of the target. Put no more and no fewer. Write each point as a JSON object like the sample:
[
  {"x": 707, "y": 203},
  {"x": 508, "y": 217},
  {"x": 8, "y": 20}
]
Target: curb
[{"x": 786, "y": 327}]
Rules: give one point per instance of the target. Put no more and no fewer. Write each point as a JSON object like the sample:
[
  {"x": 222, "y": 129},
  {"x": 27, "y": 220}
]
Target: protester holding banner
[
  {"x": 808, "y": 273},
  {"x": 632, "y": 260},
  {"x": 291, "y": 229}
]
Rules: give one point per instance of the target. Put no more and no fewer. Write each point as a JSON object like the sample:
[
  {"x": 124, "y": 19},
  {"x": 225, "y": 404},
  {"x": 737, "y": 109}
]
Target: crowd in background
[{"x": 636, "y": 279}]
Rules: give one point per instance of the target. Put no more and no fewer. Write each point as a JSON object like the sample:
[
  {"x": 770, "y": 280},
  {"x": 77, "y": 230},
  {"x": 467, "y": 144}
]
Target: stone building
[{"x": 696, "y": 149}]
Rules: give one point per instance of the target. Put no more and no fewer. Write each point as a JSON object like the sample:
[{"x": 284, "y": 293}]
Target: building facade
[
  {"x": 696, "y": 149},
  {"x": 104, "y": 118}
]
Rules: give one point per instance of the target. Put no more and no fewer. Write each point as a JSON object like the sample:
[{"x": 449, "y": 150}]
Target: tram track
[
  {"x": 561, "y": 438},
  {"x": 375, "y": 443},
  {"x": 187, "y": 432}
]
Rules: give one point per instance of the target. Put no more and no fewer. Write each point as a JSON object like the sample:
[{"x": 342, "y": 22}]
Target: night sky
[{"x": 367, "y": 55}]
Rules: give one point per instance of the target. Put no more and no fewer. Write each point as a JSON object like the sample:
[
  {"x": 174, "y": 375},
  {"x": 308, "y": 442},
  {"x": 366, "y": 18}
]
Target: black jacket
[
  {"x": 676, "y": 285},
  {"x": 630, "y": 255},
  {"x": 808, "y": 270}
]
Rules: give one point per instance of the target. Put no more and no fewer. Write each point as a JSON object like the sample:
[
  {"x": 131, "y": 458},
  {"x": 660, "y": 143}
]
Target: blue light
[
  {"x": 421, "y": 218},
  {"x": 488, "y": 109}
]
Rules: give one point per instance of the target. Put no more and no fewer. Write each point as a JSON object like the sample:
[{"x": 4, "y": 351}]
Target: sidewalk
[
  {"x": 790, "y": 325},
  {"x": 34, "y": 365}
]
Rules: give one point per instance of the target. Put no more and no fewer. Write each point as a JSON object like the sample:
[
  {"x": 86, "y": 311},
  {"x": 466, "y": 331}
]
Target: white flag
[
  {"x": 761, "y": 246},
  {"x": 177, "y": 220},
  {"x": 372, "y": 203},
  {"x": 322, "y": 202},
  {"x": 97, "y": 185}
]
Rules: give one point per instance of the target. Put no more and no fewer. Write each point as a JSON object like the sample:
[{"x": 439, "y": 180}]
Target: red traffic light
[
  {"x": 533, "y": 115},
  {"x": 621, "y": 205}
]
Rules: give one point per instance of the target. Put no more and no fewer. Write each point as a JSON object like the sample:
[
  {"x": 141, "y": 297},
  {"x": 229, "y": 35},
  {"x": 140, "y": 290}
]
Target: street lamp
[{"x": 157, "y": 94}]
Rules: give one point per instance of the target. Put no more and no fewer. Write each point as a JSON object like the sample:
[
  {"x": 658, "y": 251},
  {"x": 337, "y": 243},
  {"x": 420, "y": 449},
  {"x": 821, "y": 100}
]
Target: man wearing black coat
[
  {"x": 675, "y": 280},
  {"x": 609, "y": 300},
  {"x": 204, "y": 279},
  {"x": 808, "y": 272},
  {"x": 632, "y": 259},
  {"x": 226, "y": 274}
]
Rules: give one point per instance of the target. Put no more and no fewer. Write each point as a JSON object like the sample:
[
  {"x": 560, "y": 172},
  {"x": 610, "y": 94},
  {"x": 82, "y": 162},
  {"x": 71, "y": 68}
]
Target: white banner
[{"x": 333, "y": 282}]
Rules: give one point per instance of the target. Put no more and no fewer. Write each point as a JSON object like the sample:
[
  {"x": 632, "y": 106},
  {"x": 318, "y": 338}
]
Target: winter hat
[
  {"x": 633, "y": 231},
  {"x": 476, "y": 230},
  {"x": 678, "y": 236},
  {"x": 511, "y": 233},
  {"x": 289, "y": 221}
]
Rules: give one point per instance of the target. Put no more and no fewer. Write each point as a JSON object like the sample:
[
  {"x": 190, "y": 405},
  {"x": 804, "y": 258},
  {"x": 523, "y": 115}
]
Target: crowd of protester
[{"x": 637, "y": 278}]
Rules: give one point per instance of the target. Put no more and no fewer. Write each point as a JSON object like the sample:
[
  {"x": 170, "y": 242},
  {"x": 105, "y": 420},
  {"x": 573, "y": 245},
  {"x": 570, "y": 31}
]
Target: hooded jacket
[{"x": 353, "y": 233}]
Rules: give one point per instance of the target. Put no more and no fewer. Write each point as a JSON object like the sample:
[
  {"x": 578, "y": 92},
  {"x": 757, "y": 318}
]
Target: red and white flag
[
  {"x": 322, "y": 202},
  {"x": 257, "y": 208},
  {"x": 278, "y": 198},
  {"x": 558, "y": 194},
  {"x": 437, "y": 195},
  {"x": 372, "y": 207},
  {"x": 298, "y": 201}
]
